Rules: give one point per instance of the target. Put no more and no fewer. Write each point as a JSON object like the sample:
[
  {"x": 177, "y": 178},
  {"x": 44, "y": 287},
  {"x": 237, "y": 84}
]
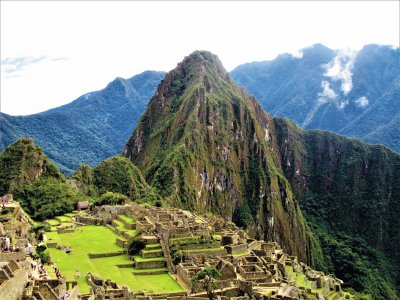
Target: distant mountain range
[
  {"x": 90, "y": 129},
  {"x": 352, "y": 93}
]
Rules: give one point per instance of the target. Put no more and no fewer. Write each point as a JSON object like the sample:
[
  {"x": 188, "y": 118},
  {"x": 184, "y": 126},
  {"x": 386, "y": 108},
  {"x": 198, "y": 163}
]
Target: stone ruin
[{"x": 250, "y": 269}]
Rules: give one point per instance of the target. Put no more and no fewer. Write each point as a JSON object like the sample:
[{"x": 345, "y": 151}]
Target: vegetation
[
  {"x": 90, "y": 129},
  {"x": 349, "y": 192},
  {"x": 136, "y": 245},
  {"x": 111, "y": 198},
  {"x": 43, "y": 254},
  {"x": 119, "y": 175},
  {"x": 209, "y": 148},
  {"x": 21, "y": 163},
  {"x": 359, "y": 265},
  {"x": 46, "y": 198},
  {"x": 209, "y": 278}
]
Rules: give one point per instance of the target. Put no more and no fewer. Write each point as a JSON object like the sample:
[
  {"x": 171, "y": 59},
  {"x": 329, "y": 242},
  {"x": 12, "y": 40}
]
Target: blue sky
[{"x": 54, "y": 51}]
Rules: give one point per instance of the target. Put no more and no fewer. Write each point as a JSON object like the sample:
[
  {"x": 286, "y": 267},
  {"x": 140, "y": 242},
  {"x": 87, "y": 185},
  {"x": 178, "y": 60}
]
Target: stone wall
[
  {"x": 150, "y": 264},
  {"x": 14, "y": 287},
  {"x": 88, "y": 220},
  {"x": 219, "y": 252},
  {"x": 98, "y": 255},
  {"x": 8, "y": 256},
  {"x": 232, "y": 249}
]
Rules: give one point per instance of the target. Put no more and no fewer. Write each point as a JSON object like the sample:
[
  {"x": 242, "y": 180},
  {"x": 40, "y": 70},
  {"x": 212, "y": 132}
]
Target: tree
[
  {"x": 136, "y": 245},
  {"x": 209, "y": 278}
]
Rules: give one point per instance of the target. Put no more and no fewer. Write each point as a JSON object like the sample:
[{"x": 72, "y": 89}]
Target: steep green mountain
[
  {"x": 350, "y": 193},
  {"x": 351, "y": 93},
  {"x": 22, "y": 163},
  {"x": 44, "y": 192},
  {"x": 34, "y": 180},
  {"x": 92, "y": 128},
  {"x": 117, "y": 174},
  {"x": 205, "y": 144}
]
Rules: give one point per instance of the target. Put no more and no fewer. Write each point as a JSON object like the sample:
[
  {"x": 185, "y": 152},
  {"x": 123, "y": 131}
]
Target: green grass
[
  {"x": 64, "y": 219},
  {"x": 150, "y": 246},
  {"x": 217, "y": 237},
  {"x": 53, "y": 222},
  {"x": 127, "y": 219},
  {"x": 120, "y": 225},
  {"x": 100, "y": 239},
  {"x": 185, "y": 238},
  {"x": 151, "y": 250},
  {"x": 131, "y": 232},
  {"x": 240, "y": 253}
]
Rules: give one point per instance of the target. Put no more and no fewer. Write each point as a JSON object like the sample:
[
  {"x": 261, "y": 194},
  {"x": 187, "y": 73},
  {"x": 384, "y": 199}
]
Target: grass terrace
[
  {"x": 101, "y": 239},
  {"x": 127, "y": 219}
]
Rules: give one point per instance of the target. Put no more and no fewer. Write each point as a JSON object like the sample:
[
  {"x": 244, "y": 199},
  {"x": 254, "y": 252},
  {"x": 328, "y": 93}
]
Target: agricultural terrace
[{"x": 97, "y": 240}]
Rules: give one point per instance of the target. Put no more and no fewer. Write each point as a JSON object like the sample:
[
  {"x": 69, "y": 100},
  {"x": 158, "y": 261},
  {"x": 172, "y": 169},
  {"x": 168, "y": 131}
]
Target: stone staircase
[{"x": 167, "y": 254}]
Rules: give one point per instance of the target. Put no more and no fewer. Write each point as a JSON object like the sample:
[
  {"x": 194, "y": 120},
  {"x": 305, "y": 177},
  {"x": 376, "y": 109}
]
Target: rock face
[
  {"x": 207, "y": 145},
  {"x": 22, "y": 163}
]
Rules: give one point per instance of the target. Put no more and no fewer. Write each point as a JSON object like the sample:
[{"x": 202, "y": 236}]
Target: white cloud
[
  {"x": 343, "y": 104},
  {"x": 297, "y": 53},
  {"x": 362, "y": 102},
  {"x": 327, "y": 93},
  {"x": 340, "y": 68}
]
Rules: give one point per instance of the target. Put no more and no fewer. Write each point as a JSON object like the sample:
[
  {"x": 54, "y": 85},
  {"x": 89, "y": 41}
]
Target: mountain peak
[
  {"x": 205, "y": 144},
  {"x": 198, "y": 62}
]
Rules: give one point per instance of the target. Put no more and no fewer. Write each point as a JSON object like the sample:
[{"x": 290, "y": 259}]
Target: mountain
[
  {"x": 352, "y": 93},
  {"x": 207, "y": 145},
  {"x": 22, "y": 163},
  {"x": 44, "y": 192},
  {"x": 349, "y": 192},
  {"x": 92, "y": 128}
]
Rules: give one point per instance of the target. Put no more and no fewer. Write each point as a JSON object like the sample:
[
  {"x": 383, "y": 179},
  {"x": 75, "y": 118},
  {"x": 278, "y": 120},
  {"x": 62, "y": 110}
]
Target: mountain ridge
[
  {"x": 205, "y": 144},
  {"x": 351, "y": 93},
  {"x": 89, "y": 129}
]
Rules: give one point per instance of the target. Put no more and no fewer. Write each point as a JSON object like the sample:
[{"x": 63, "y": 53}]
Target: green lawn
[
  {"x": 240, "y": 253},
  {"x": 127, "y": 219},
  {"x": 150, "y": 246},
  {"x": 64, "y": 219},
  {"x": 53, "y": 222},
  {"x": 100, "y": 239}
]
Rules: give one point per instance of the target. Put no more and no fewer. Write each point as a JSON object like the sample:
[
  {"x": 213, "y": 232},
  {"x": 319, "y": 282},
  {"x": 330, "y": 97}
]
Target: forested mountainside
[
  {"x": 205, "y": 144},
  {"x": 90, "y": 129},
  {"x": 36, "y": 182}
]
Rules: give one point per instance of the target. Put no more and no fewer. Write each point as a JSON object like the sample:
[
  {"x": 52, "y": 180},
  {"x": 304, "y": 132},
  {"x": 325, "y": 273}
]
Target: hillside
[
  {"x": 22, "y": 163},
  {"x": 92, "y": 128},
  {"x": 205, "y": 144},
  {"x": 349, "y": 192},
  {"x": 36, "y": 182},
  {"x": 351, "y": 93}
]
